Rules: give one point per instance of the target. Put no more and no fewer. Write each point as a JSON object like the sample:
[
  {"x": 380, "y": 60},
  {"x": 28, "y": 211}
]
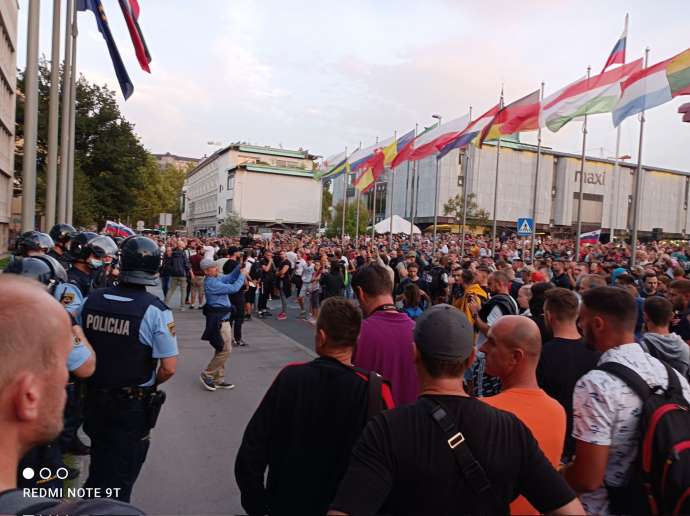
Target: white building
[
  {"x": 607, "y": 195},
  {"x": 8, "y": 86},
  {"x": 267, "y": 187}
]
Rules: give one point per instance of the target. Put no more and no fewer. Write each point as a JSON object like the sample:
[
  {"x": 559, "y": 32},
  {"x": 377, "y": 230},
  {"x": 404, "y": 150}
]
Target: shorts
[
  {"x": 315, "y": 299},
  {"x": 297, "y": 280},
  {"x": 304, "y": 290},
  {"x": 250, "y": 295}
]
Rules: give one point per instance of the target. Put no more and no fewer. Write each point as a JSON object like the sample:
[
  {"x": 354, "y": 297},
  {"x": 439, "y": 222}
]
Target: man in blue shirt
[{"x": 218, "y": 312}]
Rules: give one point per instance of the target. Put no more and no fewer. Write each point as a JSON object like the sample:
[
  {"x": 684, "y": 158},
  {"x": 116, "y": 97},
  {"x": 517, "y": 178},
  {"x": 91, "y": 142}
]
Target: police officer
[
  {"x": 33, "y": 243},
  {"x": 107, "y": 275},
  {"x": 88, "y": 252},
  {"x": 81, "y": 361},
  {"x": 133, "y": 335},
  {"x": 61, "y": 235}
]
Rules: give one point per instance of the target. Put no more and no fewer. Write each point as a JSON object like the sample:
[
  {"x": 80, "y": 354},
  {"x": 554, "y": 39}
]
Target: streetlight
[{"x": 433, "y": 252}]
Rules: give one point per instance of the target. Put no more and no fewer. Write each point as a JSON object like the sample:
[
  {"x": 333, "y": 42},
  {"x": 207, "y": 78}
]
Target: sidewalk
[{"x": 190, "y": 465}]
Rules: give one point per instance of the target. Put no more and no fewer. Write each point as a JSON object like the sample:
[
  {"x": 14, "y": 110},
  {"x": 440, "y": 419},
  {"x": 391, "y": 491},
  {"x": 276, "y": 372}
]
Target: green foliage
[
  {"x": 335, "y": 228},
  {"x": 232, "y": 226},
  {"x": 475, "y": 215},
  {"x": 115, "y": 177}
]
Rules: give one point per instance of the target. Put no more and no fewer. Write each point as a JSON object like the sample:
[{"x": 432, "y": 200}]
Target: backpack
[
  {"x": 660, "y": 483},
  {"x": 255, "y": 271}
]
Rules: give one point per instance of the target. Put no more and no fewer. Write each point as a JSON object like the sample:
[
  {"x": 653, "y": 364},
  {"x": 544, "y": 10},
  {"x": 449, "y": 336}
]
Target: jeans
[
  {"x": 165, "y": 285},
  {"x": 237, "y": 320},
  {"x": 175, "y": 283},
  {"x": 283, "y": 301},
  {"x": 119, "y": 431}
]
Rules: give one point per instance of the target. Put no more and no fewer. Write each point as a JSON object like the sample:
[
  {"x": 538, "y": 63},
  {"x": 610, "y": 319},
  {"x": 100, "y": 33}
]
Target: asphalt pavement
[{"x": 190, "y": 465}]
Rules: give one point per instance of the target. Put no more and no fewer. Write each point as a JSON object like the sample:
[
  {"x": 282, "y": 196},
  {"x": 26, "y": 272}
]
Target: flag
[
  {"x": 391, "y": 151},
  {"x": 470, "y": 133},
  {"x": 373, "y": 170},
  {"x": 654, "y": 86},
  {"x": 438, "y": 136},
  {"x": 520, "y": 116},
  {"x": 598, "y": 94},
  {"x": 360, "y": 157},
  {"x": 96, "y": 7},
  {"x": 331, "y": 167},
  {"x": 617, "y": 55},
  {"x": 130, "y": 10},
  {"x": 115, "y": 229},
  {"x": 591, "y": 237}
]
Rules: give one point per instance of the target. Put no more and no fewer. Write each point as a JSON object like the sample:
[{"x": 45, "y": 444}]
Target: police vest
[{"x": 112, "y": 328}]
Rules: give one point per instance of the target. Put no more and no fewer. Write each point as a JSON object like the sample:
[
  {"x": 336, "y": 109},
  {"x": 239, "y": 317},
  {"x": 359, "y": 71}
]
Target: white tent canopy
[{"x": 400, "y": 225}]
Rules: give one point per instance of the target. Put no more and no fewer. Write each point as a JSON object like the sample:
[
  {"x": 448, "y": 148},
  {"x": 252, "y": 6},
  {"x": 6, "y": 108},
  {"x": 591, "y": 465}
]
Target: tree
[
  {"x": 335, "y": 227},
  {"x": 232, "y": 226},
  {"x": 326, "y": 201},
  {"x": 475, "y": 215}
]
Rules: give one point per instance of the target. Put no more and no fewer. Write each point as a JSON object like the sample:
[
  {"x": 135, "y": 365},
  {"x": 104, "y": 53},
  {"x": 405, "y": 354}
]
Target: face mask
[{"x": 95, "y": 264}]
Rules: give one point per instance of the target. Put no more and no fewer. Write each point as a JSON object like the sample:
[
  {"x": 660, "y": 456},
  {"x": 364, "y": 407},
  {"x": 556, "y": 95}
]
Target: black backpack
[{"x": 660, "y": 483}]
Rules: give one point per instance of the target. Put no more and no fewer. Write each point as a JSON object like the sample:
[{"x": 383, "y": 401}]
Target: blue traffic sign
[{"x": 525, "y": 227}]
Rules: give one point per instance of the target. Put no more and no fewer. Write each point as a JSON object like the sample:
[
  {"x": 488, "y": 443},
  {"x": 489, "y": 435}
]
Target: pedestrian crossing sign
[{"x": 524, "y": 227}]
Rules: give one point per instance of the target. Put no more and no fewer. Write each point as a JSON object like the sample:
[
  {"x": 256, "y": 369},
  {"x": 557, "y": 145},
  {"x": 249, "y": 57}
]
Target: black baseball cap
[
  {"x": 232, "y": 250},
  {"x": 444, "y": 332}
]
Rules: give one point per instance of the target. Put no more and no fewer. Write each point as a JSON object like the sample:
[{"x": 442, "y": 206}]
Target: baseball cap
[
  {"x": 444, "y": 332},
  {"x": 206, "y": 263},
  {"x": 411, "y": 254}
]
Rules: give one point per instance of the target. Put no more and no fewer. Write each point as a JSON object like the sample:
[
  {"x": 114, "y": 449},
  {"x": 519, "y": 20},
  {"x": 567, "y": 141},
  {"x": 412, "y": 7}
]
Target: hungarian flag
[
  {"x": 520, "y": 116},
  {"x": 130, "y": 10}
]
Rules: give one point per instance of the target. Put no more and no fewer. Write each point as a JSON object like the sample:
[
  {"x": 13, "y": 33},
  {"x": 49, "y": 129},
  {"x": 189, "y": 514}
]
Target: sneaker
[
  {"x": 282, "y": 316},
  {"x": 207, "y": 383},
  {"x": 225, "y": 385},
  {"x": 193, "y": 307},
  {"x": 302, "y": 315},
  {"x": 242, "y": 343},
  {"x": 183, "y": 309}
]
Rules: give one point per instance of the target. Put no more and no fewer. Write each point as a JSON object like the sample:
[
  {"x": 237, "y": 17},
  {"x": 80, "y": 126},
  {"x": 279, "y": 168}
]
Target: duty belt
[{"x": 139, "y": 393}]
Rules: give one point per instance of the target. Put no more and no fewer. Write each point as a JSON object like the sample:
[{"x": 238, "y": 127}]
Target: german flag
[{"x": 520, "y": 116}]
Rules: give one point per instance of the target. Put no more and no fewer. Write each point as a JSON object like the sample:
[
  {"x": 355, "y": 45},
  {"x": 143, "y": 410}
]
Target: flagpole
[
  {"x": 357, "y": 197},
  {"x": 638, "y": 181},
  {"x": 373, "y": 208},
  {"x": 342, "y": 230},
  {"x": 433, "y": 247},
  {"x": 65, "y": 120},
  {"x": 72, "y": 121},
  {"x": 407, "y": 186},
  {"x": 30, "y": 119},
  {"x": 53, "y": 110},
  {"x": 414, "y": 190},
  {"x": 464, "y": 196},
  {"x": 536, "y": 178},
  {"x": 616, "y": 164},
  {"x": 498, "y": 159},
  {"x": 582, "y": 178},
  {"x": 390, "y": 236}
]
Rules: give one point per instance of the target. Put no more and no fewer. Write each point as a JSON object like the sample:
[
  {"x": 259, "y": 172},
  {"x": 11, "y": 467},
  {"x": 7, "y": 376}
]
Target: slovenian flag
[
  {"x": 654, "y": 86},
  {"x": 115, "y": 229},
  {"x": 617, "y": 55},
  {"x": 591, "y": 237},
  {"x": 470, "y": 133}
]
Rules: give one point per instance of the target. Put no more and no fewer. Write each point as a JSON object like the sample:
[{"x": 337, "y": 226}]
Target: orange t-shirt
[{"x": 545, "y": 418}]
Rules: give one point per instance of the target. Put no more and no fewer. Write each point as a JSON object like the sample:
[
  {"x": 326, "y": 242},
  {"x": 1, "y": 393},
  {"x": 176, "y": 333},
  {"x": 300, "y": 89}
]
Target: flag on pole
[
  {"x": 373, "y": 170},
  {"x": 391, "y": 151},
  {"x": 654, "y": 86},
  {"x": 598, "y": 94},
  {"x": 130, "y": 10},
  {"x": 360, "y": 157},
  {"x": 115, "y": 229},
  {"x": 592, "y": 237},
  {"x": 96, "y": 7},
  {"x": 519, "y": 116},
  {"x": 332, "y": 166},
  {"x": 470, "y": 133},
  {"x": 431, "y": 141},
  {"x": 617, "y": 55}
]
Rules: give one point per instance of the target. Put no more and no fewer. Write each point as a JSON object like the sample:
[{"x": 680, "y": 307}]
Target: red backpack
[{"x": 660, "y": 483}]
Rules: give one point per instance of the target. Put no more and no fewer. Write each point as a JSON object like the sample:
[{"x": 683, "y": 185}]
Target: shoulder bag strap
[
  {"x": 471, "y": 470},
  {"x": 629, "y": 377},
  {"x": 375, "y": 398}
]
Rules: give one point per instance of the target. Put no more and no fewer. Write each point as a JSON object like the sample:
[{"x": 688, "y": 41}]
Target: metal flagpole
[
  {"x": 390, "y": 236},
  {"x": 464, "y": 197},
  {"x": 72, "y": 121},
  {"x": 638, "y": 182},
  {"x": 498, "y": 158},
  {"x": 373, "y": 209},
  {"x": 415, "y": 166},
  {"x": 433, "y": 247},
  {"x": 53, "y": 111},
  {"x": 536, "y": 178},
  {"x": 414, "y": 191},
  {"x": 582, "y": 177},
  {"x": 65, "y": 120},
  {"x": 30, "y": 119},
  {"x": 342, "y": 231},
  {"x": 616, "y": 167},
  {"x": 357, "y": 197},
  {"x": 407, "y": 187}
]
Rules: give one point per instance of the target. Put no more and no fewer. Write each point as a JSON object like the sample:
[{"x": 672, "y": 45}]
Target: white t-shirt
[
  {"x": 209, "y": 251},
  {"x": 292, "y": 258},
  {"x": 299, "y": 266},
  {"x": 606, "y": 412}
]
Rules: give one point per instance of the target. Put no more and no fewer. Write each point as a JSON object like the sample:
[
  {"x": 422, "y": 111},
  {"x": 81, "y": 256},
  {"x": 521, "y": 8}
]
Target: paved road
[
  {"x": 190, "y": 466},
  {"x": 297, "y": 329}
]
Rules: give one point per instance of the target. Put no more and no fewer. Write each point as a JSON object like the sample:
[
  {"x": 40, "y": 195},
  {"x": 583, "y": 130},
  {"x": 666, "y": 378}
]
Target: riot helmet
[
  {"x": 45, "y": 269},
  {"x": 34, "y": 241},
  {"x": 140, "y": 259},
  {"x": 62, "y": 233}
]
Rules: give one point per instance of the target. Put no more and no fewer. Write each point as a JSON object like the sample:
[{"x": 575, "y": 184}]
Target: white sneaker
[{"x": 193, "y": 307}]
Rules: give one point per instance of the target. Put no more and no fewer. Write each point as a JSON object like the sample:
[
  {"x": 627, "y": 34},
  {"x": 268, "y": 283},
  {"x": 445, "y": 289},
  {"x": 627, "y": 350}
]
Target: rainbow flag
[{"x": 654, "y": 86}]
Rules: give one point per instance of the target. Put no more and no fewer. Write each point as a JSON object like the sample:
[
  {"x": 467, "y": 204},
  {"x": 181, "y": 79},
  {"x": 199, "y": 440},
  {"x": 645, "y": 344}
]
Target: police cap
[
  {"x": 139, "y": 261},
  {"x": 34, "y": 241},
  {"x": 62, "y": 233}
]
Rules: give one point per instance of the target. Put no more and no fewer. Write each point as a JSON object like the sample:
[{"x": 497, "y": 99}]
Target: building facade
[
  {"x": 179, "y": 162},
  {"x": 608, "y": 192},
  {"x": 267, "y": 187},
  {"x": 8, "y": 87}
]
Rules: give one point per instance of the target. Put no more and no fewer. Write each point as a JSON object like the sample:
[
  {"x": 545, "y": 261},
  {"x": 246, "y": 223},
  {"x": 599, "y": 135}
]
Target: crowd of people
[{"x": 452, "y": 377}]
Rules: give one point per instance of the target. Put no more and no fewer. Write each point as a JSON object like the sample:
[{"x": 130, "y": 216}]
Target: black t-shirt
[
  {"x": 563, "y": 281},
  {"x": 402, "y": 464},
  {"x": 562, "y": 363},
  {"x": 683, "y": 326}
]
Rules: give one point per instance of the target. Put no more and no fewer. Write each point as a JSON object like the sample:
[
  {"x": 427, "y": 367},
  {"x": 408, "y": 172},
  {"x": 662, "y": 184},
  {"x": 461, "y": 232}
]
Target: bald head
[{"x": 521, "y": 332}]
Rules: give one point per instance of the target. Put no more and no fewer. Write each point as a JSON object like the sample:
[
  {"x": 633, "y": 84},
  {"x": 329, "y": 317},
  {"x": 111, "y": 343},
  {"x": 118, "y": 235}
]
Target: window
[
  {"x": 231, "y": 181},
  {"x": 219, "y": 210},
  {"x": 228, "y": 206},
  {"x": 281, "y": 163}
]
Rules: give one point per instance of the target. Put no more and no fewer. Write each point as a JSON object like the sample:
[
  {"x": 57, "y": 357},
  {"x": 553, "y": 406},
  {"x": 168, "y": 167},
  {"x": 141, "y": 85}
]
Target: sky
[{"x": 325, "y": 75}]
